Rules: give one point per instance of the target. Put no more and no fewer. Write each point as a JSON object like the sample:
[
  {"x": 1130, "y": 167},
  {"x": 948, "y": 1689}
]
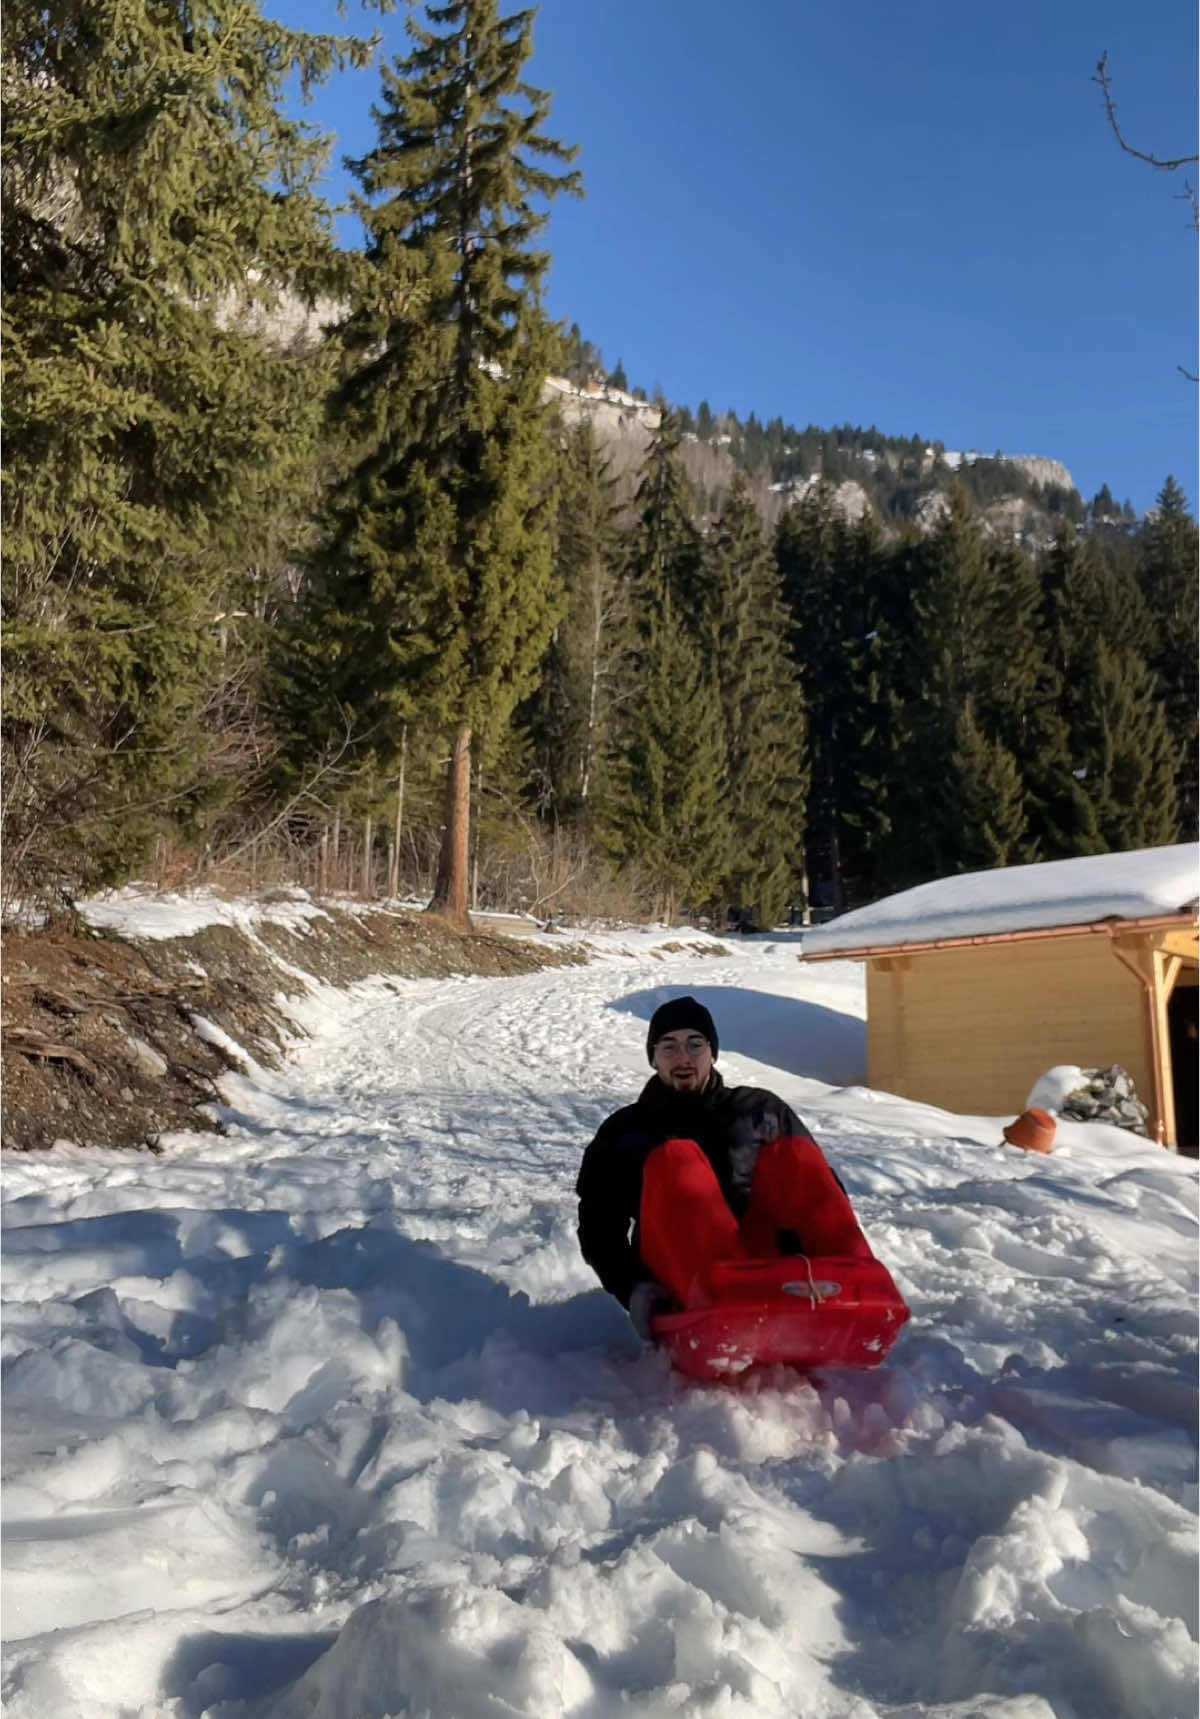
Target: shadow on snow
[{"x": 801, "y": 1038}]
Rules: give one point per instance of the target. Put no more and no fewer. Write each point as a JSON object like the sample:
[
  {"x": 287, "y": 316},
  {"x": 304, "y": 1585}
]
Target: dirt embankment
[{"x": 106, "y": 1041}]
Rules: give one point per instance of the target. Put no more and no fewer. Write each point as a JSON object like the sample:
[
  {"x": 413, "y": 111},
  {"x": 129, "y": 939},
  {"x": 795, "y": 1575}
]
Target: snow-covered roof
[{"x": 1147, "y": 884}]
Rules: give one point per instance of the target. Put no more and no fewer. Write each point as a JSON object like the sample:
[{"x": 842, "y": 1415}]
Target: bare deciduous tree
[{"x": 1165, "y": 164}]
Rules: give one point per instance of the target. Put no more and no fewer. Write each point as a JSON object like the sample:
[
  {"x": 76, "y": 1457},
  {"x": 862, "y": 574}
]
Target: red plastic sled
[{"x": 798, "y": 1312}]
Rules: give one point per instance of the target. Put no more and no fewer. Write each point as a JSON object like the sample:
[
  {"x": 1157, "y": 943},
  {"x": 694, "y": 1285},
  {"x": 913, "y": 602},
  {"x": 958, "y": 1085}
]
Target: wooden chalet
[{"x": 978, "y": 985}]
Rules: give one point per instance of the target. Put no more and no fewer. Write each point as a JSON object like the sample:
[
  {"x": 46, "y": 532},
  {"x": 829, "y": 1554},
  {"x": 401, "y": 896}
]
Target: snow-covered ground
[{"x": 327, "y": 1419}]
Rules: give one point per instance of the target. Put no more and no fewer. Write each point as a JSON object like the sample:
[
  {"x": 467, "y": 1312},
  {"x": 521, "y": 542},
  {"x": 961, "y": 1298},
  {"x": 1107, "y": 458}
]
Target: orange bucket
[{"x": 1033, "y": 1131}]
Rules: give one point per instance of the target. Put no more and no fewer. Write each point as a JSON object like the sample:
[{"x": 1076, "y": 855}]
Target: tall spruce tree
[
  {"x": 1169, "y": 576},
  {"x": 1060, "y": 819},
  {"x": 664, "y": 811},
  {"x": 366, "y": 635},
  {"x": 1020, "y": 707},
  {"x": 989, "y": 796},
  {"x": 451, "y": 511},
  {"x": 569, "y": 716},
  {"x": 867, "y": 742},
  {"x": 951, "y": 646},
  {"x": 665, "y": 768},
  {"x": 664, "y": 546},
  {"x": 1125, "y": 751},
  {"x": 1028, "y": 714},
  {"x": 152, "y": 191},
  {"x": 833, "y": 586},
  {"x": 1118, "y": 739},
  {"x": 741, "y": 625},
  {"x": 807, "y": 553}
]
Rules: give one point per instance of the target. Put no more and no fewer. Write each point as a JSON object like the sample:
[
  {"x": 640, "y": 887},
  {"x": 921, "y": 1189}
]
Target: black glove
[{"x": 647, "y": 1299}]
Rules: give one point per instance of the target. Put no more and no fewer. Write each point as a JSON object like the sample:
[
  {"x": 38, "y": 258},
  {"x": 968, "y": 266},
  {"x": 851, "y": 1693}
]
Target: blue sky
[{"x": 912, "y": 216}]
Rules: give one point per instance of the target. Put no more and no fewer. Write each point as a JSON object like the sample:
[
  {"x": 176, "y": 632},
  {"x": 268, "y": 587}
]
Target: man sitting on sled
[{"x": 703, "y": 1172}]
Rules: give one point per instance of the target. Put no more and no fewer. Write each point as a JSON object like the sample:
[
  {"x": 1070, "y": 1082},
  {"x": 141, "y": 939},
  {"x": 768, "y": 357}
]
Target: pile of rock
[{"x": 1106, "y": 1095}]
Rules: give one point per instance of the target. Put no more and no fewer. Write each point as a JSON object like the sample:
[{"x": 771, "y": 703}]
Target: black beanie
[{"x": 678, "y": 1013}]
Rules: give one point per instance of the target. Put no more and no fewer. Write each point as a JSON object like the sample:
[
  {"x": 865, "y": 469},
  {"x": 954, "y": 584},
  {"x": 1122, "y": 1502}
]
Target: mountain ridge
[{"x": 1023, "y": 496}]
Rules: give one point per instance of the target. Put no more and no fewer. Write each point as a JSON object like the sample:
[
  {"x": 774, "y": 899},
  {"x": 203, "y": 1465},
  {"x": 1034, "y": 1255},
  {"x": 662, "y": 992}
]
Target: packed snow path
[{"x": 326, "y": 1419}]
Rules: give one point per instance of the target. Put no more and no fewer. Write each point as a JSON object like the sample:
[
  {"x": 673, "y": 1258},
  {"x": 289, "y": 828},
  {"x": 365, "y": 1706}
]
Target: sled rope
[{"x": 816, "y": 1292}]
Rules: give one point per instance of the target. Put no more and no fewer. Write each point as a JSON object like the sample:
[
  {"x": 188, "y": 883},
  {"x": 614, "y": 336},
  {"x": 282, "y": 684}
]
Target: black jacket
[{"x": 730, "y": 1124}]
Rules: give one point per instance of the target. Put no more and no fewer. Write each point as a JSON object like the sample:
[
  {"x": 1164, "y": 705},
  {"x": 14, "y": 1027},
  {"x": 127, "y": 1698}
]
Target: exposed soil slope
[{"x": 101, "y": 1043}]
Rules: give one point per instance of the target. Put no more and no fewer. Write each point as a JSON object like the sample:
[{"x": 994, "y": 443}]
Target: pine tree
[
  {"x": 453, "y": 507},
  {"x": 1125, "y": 752},
  {"x": 664, "y": 811},
  {"x": 1088, "y": 599},
  {"x": 368, "y": 633},
  {"x": 1103, "y": 506},
  {"x": 155, "y": 201},
  {"x": 807, "y": 545},
  {"x": 987, "y": 797},
  {"x": 958, "y": 606},
  {"x": 573, "y": 365},
  {"x": 1060, "y": 819},
  {"x": 1169, "y": 577},
  {"x": 741, "y": 626},
  {"x": 664, "y": 547},
  {"x": 1027, "y": 709},
  {"x": 570, "y": 715},
  {"x": 1019, "y": 706},
  {"x": 867, "y": 741},
  {"x": 952, "y": 645},
  {"x": 833, "y": 584},
  {"x": 1119, "y": 744}
]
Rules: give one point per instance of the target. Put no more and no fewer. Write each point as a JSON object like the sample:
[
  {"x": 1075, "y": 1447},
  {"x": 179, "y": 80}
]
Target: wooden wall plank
[{"x": 972, "y": 1029}]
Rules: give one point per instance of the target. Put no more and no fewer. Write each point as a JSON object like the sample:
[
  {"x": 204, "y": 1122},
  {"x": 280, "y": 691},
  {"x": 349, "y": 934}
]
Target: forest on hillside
[
  {"x": 896, "y": 472},
  {"x": 365, "y": 613}
]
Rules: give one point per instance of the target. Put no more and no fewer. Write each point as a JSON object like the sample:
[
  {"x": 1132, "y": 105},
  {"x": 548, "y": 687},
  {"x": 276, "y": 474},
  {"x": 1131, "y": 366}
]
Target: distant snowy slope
[
  {"x": 1036, "y": 467},
  {"x": 327, "y": 1419}
]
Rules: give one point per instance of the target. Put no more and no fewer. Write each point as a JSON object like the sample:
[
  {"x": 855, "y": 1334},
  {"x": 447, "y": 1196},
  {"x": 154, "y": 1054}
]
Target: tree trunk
[
  {"x": 450, "y": 886},
  {"x": 475, "y": 844},
  {"x": 368, "y": 856},
  {"x": 394, "y": 877},
  {"x": 593, "y": 699},
  {"x": 805, "y": 902}
]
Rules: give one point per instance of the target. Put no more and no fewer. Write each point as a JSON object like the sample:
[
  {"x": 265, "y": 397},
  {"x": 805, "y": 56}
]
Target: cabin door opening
[{"x": 1184, "y": 1035}]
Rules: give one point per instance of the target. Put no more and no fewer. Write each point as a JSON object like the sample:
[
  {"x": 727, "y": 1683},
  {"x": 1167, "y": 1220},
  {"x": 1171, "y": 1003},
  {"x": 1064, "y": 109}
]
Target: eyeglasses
[{"x": 691, "y": 1046}]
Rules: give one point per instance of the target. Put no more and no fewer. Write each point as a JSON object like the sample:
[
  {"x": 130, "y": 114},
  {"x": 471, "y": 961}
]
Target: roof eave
[{"x": 1112, "y": 927}]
